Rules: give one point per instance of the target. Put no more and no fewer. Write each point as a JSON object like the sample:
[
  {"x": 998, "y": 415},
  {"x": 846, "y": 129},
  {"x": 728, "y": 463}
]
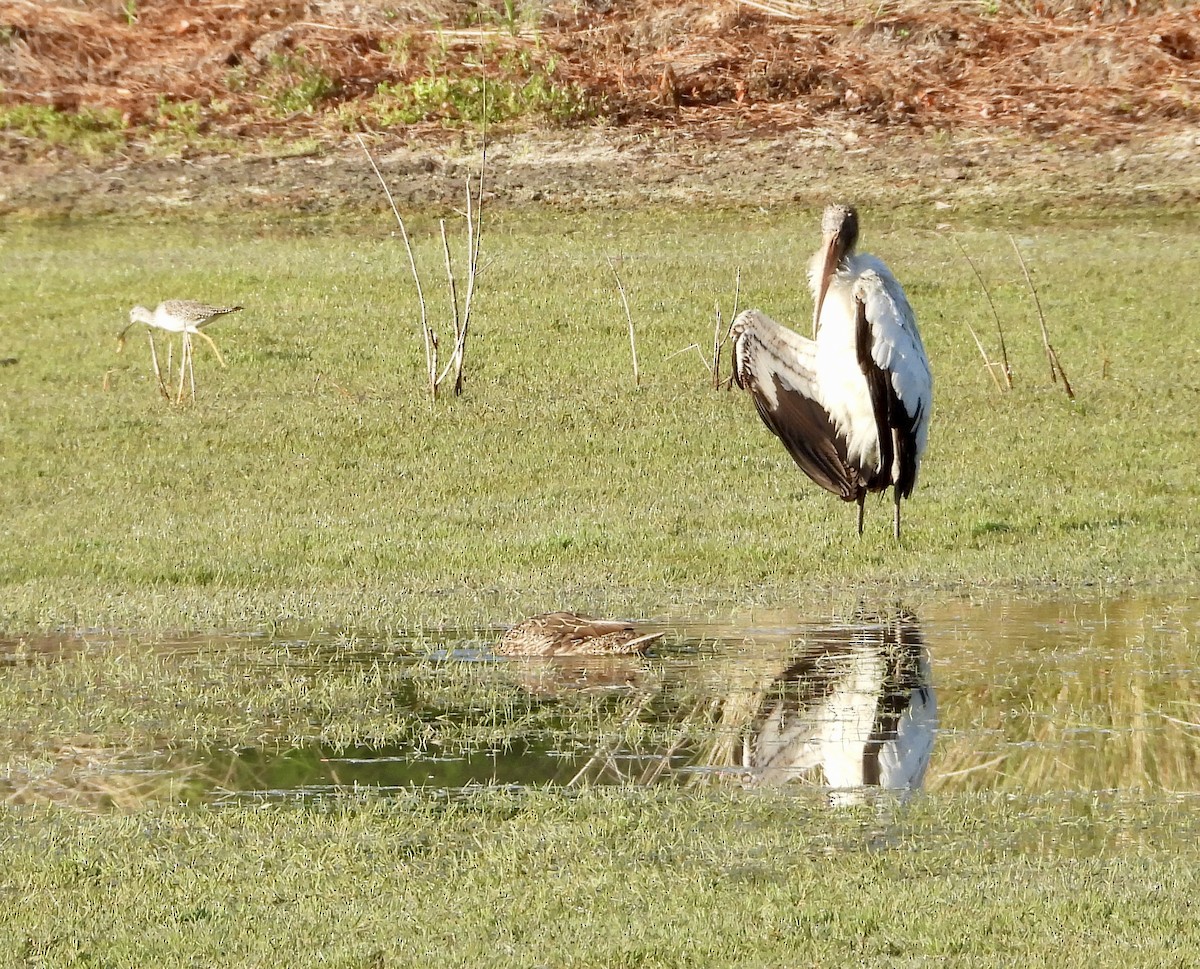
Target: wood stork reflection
[
  {"x": 852, "y": 405},
  {"x": 856, "y": 703}
]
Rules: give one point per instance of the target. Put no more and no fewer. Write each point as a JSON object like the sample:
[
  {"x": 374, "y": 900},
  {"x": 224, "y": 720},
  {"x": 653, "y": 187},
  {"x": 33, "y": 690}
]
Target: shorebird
[
  {"x": 852, "y": 405},
  {"x": 568, "y": 634},
  {"x": 186, "y": 316}
]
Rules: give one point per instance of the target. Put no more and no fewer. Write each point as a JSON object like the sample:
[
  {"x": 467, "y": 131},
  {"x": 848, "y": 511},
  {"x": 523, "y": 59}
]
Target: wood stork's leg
[
  {"x": 862, "y": 503},
  {"x": 162, "y": 387},
  {"x": 896, "y": 521},
  {"x": 220, "y": 359}
]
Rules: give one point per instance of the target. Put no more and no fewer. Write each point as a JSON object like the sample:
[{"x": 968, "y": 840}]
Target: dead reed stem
[
  {"x": 637, "y": 380},
  {"x": 474, "y": 236},
  {"x": 427, "y": 333},
  {"x": 1056, "y": 367},
  {"x": 474, "y": 217},
  {"x": 453, "y": 291},
  {"x": 719, "y": 340},
  {"x": 1006, "y": 369}
]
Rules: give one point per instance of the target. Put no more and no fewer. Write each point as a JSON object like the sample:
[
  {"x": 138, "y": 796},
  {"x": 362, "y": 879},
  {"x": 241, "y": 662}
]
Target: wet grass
[
  {"x": 116, "y": 836},
  {"x": 1033, "y": 701},
  {"x": 230, "y": 696},
  {"x": 604, "y": 879},
  {"x": 314, "y": 481}
]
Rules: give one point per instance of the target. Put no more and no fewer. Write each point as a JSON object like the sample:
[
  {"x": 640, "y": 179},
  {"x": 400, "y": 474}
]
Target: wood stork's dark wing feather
[
  {"x": 905, "y": 436},
  {"x": 809, "y": 437},
  {"x": 777, "y": 367},
  {"x": 883, "y": 398},
  {"x": 893, "y": 358}
]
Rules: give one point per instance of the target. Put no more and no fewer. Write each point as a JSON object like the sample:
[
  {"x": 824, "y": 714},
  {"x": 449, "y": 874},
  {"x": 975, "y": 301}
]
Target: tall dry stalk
[
  {"x": 637, "y": 378},
  {"x": 719, "y": 338},
  {"x": 474, "y": 217},
  {"x": 1056, "y": 367},
  {"x": 460, "y": 316},
  {"x": 1006, "y": 369},
  {"x": 427, "y": 332}
]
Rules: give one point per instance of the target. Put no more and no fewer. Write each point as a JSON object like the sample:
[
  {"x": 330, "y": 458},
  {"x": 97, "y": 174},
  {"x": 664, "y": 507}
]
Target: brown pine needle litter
[{"x": 261, "y": 68}]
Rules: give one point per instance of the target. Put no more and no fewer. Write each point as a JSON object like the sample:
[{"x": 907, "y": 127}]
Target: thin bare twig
[
  {"x": 687, "y": 349},
  {"x": 427, "y": 333},
  {"x": 474, "y": 239},
  {"x": 1056, "y": 367},
  {"x": 474, "y": 234},
  {"x": 999, "y": 329},
  {"x": 637, "y": 380},
  {"x": 718, "y": 343},
  {"x": 453, "y": 287},
  {"x": 719, "y": 340}
]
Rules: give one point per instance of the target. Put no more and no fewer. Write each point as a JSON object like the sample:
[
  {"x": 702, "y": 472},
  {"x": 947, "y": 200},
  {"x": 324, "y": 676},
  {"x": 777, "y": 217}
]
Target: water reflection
[
  {"x": 320, "y": 770},
  {"x": 556, "y": 676},
  {"x": 1050, "y": 698},
  {"x": 853, "y": 708}
]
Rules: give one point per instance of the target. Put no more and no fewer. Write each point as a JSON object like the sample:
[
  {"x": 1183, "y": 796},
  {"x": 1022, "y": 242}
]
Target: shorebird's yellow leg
[
  {"x": 162, "y": 387},
  {"x": 220, "y": 358},
  {"x": 191, "y": 369},
  {"x": 183, "y": 362}
]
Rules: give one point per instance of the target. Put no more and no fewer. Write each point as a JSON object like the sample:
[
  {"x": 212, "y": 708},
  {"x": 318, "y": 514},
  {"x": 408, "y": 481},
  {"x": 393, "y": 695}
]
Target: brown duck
[{"x": 568, "y": 634}]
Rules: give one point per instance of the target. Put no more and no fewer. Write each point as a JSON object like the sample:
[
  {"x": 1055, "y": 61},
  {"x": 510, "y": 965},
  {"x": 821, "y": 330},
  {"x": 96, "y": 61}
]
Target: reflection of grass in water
[
  {"x": 129, "y": 697},
  {"x": 1112, "y": 717},
  {"x": 84, "y": 774}
]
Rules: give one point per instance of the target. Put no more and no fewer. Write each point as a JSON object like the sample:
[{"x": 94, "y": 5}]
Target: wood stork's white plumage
[{"x": 852, "y": 405}]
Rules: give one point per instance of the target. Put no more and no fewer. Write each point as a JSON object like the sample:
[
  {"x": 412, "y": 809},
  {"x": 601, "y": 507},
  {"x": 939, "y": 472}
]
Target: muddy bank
[{"x": 598, "y": 167}]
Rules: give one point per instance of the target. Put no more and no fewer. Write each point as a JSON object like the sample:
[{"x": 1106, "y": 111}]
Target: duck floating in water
[{"x": 569, "y": 634}]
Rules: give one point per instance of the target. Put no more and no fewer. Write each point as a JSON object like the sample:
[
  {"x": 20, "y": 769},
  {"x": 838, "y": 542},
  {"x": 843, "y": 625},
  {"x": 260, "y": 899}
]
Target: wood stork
[
  {"x": 852, "y": 405},
  {"x": 569, "y": 634},
  {"x": 186, "y": 316}
]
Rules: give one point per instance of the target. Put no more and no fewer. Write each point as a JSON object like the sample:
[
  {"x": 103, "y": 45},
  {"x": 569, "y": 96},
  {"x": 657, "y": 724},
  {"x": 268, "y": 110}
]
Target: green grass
[
  {"x": 603, "y": 879},
  {"x": 473, "y": 101},
  {"x": 294, "y": 85},
  {"x": 313, "y": 480},
  {"x": 90, "y": 132},
  {"x": 525, "y": 89}
]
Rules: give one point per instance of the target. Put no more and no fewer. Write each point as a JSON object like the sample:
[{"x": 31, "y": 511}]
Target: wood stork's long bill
[
  {"x": 852, "y": 405},
  {"x": 839, "y": 228}
]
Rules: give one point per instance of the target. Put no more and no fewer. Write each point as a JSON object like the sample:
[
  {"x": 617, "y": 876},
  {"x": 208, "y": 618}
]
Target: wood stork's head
[{"x": 839, "y": 232}]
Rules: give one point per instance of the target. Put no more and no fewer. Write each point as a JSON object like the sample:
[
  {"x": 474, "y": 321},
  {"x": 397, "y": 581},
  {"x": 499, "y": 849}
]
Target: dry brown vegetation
[{"x": 268, "y": 66}]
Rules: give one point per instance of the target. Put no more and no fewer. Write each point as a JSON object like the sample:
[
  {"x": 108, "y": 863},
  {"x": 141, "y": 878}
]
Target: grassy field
[
  {"x": 602, "y": 879},
  {"x": 314, "y": 482}
]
